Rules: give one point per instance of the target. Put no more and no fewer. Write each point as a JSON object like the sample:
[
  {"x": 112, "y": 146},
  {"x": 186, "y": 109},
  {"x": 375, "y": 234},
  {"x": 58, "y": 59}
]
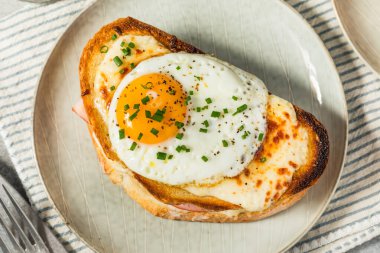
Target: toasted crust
[{"x": 159, "y": 199}]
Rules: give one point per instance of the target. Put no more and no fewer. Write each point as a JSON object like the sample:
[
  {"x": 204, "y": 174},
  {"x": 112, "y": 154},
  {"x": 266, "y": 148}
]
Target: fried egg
[{"x": 183, "y": 118}]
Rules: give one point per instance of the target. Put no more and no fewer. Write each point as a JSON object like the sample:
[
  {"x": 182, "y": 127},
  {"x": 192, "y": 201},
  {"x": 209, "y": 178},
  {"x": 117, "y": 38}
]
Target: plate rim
[
  {"x": 282, "y": 4},
  {"x": 350, "y": 41}
]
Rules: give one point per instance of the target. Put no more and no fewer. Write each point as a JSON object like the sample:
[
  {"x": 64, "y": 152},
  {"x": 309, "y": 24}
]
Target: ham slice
[
  {"x": 190, "y": 207},
  {"x": 79, "y": 109}
]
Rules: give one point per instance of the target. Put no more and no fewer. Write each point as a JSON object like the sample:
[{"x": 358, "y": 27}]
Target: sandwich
[{"x": 191, "y": 137}]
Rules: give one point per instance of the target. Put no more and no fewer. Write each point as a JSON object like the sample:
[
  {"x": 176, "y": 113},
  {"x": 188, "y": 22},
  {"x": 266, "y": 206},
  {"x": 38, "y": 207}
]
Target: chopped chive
[
  {"x": 112, "y": 87},
  {"x": 114, "y": 37},
  {"x": 198, "y": 109},
  {"x": 191, "y": 92},
  {"x": 117, "y": 61},
  {"x": 140, "y": 136},
  {"x": 161, "y": 155},
  {"x": 215, "y": 114},
  {"x": 204, "y": 158},
  {"x": 208, "y": 100},
  {"x": 172, "y": 92},
  {"x": 205, "y": 107},
  {"x": 245, "y": 135},
  {"x": 225, "y": 143},
  {"x": 170, "y": 157},
  {"x": 104, "y": 49},
  {"x": 134, "y": 115},
  {"x": 147, "y": 86},
  {"x": 178, "y": 68},
  {"x": 131, "y": 45},
  {"x": 179, "y": 136},
  {"x": 133, "y": 65},
  {"x": 126, "y": 107},
  {"x": 261, "y": 135},
  {"x": 179, "y": 124},
  {"x": 157, "y": 117},
  {"x": 148, "y": 114},
  {"x": 240, "y": 109},
  {"x": 122, "y": 44},
  {"x": 225, "y": 110},
  {"x": 240, "y": 128},
  {"x": 136, "y": 106},
  {"x": 198, "y": 78},
  {"x": 188, "y": 98},
  {"x": 121, "y": 71},
  {"x": 133, "y": 146},
  {"x": 121, "y": 134},
  {"x": 181, "y": 148},
  {"x": 154, "y": 131},
  {"x": 235, "y": 98},
  {"x": 203, "y": 130},
  {"x": 145, "y": 100},
  {"x": 263, "y": 159},
  {"x": 126, "y": 51},
  {"x": 205, "y": 123}
]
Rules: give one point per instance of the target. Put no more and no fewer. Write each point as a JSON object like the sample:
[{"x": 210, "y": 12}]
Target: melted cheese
[{"x": 284, "y": 150}]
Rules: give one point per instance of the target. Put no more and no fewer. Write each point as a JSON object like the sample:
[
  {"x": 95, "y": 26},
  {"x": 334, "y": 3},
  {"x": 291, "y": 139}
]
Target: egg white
[{"x": 218, "y": 82}]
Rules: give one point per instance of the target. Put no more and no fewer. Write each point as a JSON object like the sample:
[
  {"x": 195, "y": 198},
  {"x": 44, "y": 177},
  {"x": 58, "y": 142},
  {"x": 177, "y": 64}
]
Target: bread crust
[{"x": 218, "y": 210}]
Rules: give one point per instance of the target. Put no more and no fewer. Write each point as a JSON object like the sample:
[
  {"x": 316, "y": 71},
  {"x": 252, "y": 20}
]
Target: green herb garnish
[
  {"x": 136, "y": 106},
  {"x": 179, "y": 124},
  {"x": 126, "y": 107},
  {"x": 261, "y": 136},
  {"x": 161, "y": 156},
  {"x": 147, "y": 86},
  {"x": 114, "y": 37},
  {"x": 208, "y": 100},
  {"x": 204, "y": 158},
  {"x": 235, "y": 98},
  {"x": 134, "y": 115},
  {"x": 126, "y": 51},
  {"x": 263, "y": 159},
  {"x": 154, "y": 131},
  {"x": 203, "y": 130},
  {"x": 117, "y": 61},
  {"x": 205, "y": 123},
  {"x": 104, "y": 49},
  {"x": 215, "y": 114},
  {"x": 225, "y": 143},
  {"x": 179, "y": 136},
  {"x": 145, "y": 100},
  {"x": 112, "y": 87},
  {"x": 140, "y": 136},
  {"x": 131, "y": 45},
  {"x": 133, "y": 146},
  {"x": 121, "y": 134},
  {"x": 240, "y": 109},
  {"x": 245, "y": 135}
]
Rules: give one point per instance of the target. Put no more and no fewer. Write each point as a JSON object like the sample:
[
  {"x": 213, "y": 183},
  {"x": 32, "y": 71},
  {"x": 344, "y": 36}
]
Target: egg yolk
[{"x": 151, "y": 109}]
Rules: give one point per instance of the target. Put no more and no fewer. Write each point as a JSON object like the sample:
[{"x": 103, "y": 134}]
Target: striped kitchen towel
[{"x": 352, "y": 217}]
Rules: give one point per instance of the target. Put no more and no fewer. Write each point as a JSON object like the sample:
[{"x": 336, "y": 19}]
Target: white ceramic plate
[
  {"x": 264, "y": 37},
  {"x": 360, "y": 21}
]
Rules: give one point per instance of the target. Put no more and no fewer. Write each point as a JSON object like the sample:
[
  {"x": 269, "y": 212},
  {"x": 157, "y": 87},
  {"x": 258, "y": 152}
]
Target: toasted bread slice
[{"x": 174, "y": 202}]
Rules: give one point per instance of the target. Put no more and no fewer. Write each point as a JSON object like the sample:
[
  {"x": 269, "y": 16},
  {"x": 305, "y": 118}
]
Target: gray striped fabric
[{"x": 352, "y": 217}]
